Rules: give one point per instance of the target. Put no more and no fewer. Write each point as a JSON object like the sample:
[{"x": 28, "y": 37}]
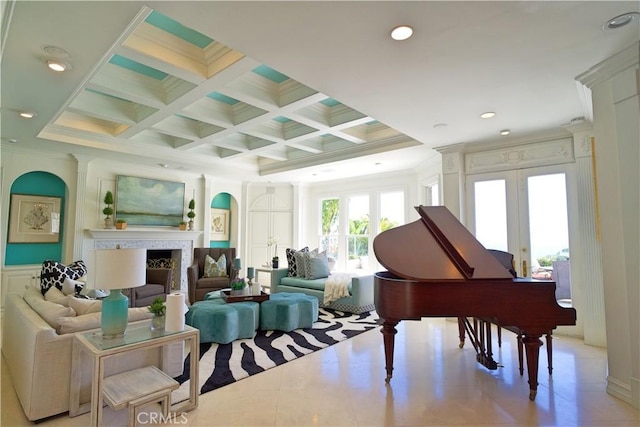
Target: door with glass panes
[{"x": 524, "y": 212}]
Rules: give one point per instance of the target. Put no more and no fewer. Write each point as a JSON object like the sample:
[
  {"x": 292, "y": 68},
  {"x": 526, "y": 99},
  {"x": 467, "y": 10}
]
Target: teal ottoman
[
  {"x": 223, "y": 323},
  {"x": 286, "y": 311}
]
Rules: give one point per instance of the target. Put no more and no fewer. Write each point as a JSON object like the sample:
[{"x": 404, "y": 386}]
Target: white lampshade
[{"x": 117, "y": 268}]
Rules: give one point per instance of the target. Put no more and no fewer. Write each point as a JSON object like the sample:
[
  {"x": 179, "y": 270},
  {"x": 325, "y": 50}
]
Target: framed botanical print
[
  {"x": 219, "y": 224},
  {"x": 34, "y": 219}
]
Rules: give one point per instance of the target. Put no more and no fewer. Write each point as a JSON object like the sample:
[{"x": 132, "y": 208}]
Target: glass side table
[{"x": 100, "y": 351}]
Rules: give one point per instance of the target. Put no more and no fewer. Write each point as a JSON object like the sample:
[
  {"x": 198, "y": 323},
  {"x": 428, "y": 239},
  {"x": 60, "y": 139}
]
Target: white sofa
[{"x": 39, "y": 360}]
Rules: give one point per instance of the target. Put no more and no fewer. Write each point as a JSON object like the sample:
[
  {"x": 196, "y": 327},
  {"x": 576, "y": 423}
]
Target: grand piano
[{"x": 437, "y": 268}]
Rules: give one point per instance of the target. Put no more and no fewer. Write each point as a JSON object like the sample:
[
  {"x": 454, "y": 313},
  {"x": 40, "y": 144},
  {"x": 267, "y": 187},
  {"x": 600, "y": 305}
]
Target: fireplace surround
[{"x": 179, "y": 243}]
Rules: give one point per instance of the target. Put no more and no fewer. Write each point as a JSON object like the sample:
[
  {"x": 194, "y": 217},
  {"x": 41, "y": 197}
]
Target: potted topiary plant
[
  {"x": 121, "y": 224},
  {"x": 108, "y": 210},
  {"x": 159, "y": 311},
  {"x": 191, "y": 214}
]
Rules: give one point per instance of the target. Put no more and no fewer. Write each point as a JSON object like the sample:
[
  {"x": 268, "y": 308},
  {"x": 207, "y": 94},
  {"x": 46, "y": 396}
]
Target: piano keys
[{"x": 437, "y": 268}]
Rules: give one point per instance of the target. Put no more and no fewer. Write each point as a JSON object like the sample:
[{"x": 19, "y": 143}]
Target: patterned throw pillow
[
  {"x": 54, "y": 274},
  {"x": 292, "y": 263},
  {"x": 213, "y": 268},
  {"x": 315, "y": 265}
]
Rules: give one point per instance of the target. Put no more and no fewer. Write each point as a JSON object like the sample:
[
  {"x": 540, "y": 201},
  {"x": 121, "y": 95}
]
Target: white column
[
  {"x": 81, "y": 191},
  {"x": 614, "y": 84},
  {"x": 587, "y": 277},
  {"x": 453, "y": 180}
]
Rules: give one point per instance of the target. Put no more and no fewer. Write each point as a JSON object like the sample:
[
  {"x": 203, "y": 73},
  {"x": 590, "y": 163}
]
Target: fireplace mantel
[{"x": 143, "y": 233}]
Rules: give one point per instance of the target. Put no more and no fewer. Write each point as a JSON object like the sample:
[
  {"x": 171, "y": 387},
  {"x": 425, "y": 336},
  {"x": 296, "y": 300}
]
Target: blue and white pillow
[
  {"x": 315, "y": 265},
  {"x": 293, "y": 256}
]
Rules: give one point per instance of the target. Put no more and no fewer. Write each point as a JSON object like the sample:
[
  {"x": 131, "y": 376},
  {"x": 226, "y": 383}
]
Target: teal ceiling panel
[
  {"x": 330, "y": 102},
  {"x": 270, "y": 74},
  {"x": 281, "y": 119},
  {"x": 137, "y": 67},
  {"x": 222, "y": 98},
  {"x": 177, "y": 29}
]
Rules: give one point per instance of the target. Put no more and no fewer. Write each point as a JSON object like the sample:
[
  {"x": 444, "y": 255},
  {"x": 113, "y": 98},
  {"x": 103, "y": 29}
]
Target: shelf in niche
[{"x": 143, "y": 233}]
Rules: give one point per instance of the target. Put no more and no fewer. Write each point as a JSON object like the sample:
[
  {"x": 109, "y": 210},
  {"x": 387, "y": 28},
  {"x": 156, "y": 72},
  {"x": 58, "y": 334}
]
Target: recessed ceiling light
[
  {"x": 163, "y": 165},
  {"x": 27, "y": 114},
  {"x": 401, "y": 32},
  {"x": 487, "y": 115},
  {"x": 440, "y": 125},
  {"x": 505, "y": 132},
  {"x": 56, "y": 51},
  {"x": 620, "y": 21},
  {"x": 378, "y": 163},
  {"x": 58, "y": 66}
]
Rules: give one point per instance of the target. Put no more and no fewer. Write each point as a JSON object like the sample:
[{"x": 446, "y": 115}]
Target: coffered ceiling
[{"x": 294, "y": 90}]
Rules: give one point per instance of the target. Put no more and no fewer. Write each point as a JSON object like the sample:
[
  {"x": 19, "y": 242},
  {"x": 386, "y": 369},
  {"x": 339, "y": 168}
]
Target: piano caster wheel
[
  {"x": 387, "y": 379},
  {"x": 461, "y": 345},
  {"x": 532, "y": 395}
]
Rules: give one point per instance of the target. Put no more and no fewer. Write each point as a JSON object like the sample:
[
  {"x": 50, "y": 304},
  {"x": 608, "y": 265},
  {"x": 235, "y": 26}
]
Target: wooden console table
[{"x": 102, "y": 350}]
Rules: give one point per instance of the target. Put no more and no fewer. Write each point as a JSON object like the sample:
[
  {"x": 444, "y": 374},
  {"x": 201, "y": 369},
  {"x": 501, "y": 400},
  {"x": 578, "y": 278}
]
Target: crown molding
[{"x": 611, "y": 66}]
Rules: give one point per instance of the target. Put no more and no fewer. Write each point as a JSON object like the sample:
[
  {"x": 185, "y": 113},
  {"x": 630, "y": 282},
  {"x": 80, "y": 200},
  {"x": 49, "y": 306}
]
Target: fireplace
[
  {"x": 166, "y": 258},
  {"x": 174, "y": 245}
]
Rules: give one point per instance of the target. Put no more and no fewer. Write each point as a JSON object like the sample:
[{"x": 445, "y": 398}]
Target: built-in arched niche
[
  {"x": 224, "y": 221},
  {"x": 31, "y": 184}
]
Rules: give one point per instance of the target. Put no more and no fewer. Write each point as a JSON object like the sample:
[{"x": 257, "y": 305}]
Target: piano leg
[
  {"x": 549, "y": 352},
  {"x": 532, "y": 345},
  {"x": 461, "y": 333},
  {"x": 388, "y": 335}
]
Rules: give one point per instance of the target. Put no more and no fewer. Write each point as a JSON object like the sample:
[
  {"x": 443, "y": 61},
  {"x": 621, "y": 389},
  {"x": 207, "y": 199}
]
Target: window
[
  {"x": 358, "y": 237},
  {"x": 350, "y": 222},
  {"x": 432, "y": 194},
  {"x": 391, "y": 210},
  {"x": 329, "y": 237}
]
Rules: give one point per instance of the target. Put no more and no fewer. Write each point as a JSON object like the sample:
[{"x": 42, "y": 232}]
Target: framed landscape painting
[
  {"x": 34, "y": 219},
  {"x": 219, "y": 224},
  {"x": 144, "y": 201}
]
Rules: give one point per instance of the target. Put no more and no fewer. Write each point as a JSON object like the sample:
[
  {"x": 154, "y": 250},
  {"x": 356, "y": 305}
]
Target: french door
[{"x": 524, "y": 212}]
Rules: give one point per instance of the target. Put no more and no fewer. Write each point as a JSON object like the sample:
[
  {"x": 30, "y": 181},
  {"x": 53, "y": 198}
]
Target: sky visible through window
[{"x": 547, "y": 209}]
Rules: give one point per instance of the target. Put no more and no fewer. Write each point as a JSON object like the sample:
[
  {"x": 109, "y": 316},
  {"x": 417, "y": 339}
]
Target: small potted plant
[
  {"x": 159, "y": 311},
  {"x": 191, "y": 214},
  {"x": 108, "y": 210},
  {"x": 275, "y": 261},
  {"x": 121, "y": 224},
  {"x": 183, "y": 225},
  {"x": 237, "y": 286}
]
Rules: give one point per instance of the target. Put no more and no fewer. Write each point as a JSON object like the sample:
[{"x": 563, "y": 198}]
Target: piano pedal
[{"x": 487, "y": 362}]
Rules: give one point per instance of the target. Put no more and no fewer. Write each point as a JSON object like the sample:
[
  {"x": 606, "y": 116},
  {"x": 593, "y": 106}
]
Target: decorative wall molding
[
  {"x": 520, "y": 157},
  {"x": 128, "y": 234}
]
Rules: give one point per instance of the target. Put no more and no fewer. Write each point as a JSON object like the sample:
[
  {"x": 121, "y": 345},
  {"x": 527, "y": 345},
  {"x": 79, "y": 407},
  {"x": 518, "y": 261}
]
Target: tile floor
[{"x": 434, "y": 384}]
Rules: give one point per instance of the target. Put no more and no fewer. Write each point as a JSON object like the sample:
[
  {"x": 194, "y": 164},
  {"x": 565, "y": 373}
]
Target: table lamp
[{"x": 117, "y": 269}]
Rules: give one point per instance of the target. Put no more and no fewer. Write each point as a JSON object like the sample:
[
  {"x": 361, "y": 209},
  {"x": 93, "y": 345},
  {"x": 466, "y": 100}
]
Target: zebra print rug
[{"x": 223, "y": 364}]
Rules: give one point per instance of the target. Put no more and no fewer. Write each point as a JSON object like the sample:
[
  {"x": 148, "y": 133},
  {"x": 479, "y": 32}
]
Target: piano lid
[{"x": 436, "y": 247}]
